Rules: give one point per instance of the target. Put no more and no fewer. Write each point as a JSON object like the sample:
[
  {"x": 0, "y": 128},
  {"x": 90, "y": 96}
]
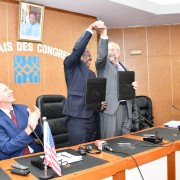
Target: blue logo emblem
[{"x": 26, "y": 70}]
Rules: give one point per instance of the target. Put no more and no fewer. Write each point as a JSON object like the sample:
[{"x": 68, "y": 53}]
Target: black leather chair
[
  {"x": 146, "y": 110},
  {"x": 144, "y": 118},
  {"x": 51, "y": 107}
]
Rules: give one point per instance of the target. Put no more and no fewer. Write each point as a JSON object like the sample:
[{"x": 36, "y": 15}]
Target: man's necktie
[
  {"x": 119, "y": 67},
  {"x": 13, "y": 118},
  {"x": 26, "y": 149}
]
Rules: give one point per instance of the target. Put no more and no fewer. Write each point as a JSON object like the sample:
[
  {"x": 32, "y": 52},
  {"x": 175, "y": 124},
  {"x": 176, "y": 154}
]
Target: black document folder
[
  {"x": 95, "y": 92},
  {"x": 125, "y": 88}
]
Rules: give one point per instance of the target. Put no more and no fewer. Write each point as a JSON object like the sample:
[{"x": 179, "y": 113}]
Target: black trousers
[{"x": 81, "y": 130}]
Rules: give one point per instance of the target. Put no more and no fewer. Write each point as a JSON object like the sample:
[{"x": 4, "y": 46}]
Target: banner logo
[{"x": 26, "y": 70}]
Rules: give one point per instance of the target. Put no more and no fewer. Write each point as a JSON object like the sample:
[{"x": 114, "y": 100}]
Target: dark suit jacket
[
  {"x": 76, "y": 74},
  {"x": 12, "y": 139}
]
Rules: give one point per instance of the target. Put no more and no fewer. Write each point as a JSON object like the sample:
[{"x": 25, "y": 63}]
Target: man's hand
[
  {"x": 32, "y": 120},
  {"x": 134, "y": 84},
  {"x": 97, "y": 26},
  {"x": 103, "y": 105}
]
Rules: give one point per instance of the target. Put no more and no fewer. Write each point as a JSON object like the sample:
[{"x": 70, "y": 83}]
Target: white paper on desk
[
  {"x": 172, "y": 124},
  {"x": 67, "y": 157}
]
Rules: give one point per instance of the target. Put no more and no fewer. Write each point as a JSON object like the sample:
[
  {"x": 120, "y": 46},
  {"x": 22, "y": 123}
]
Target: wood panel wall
[
  {"x": 157, "y": 68},
  {"x": 61, "y": 30}
]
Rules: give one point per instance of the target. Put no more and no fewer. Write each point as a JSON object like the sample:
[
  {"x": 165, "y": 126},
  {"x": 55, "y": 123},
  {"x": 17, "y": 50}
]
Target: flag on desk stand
[{"x": 50, "y": 158}]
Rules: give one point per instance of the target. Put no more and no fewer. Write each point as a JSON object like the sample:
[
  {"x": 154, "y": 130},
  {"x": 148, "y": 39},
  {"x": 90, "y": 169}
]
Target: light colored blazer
[{"x": 108, "y": 70}]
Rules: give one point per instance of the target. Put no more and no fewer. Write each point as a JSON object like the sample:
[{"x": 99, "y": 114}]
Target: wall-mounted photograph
[{"x": 30, "y": 22}]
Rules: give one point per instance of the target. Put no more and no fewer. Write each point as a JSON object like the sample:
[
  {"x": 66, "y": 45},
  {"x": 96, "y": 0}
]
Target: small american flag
[{"x": 50, "y": 158}]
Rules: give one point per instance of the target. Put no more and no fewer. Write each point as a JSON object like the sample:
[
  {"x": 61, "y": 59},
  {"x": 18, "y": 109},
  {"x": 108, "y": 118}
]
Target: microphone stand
[
  {"x": 154, "y": 139},
  {"x": 175, "y": 107},
  {"x": 178, "y": 126},
  {"x": 36, "y": 136}
]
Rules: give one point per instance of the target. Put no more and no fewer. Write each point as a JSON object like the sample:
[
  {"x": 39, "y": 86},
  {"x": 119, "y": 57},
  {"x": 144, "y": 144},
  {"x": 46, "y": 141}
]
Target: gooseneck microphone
[
  {"x": 39, "y": 162},
  {"x": 36, "y": 136},
  {"x": 178, "y": 126},
  {"x": 153, "y": 139},
  {"x": 147, "y": 120},
  {"x": 175, "y": 108},
  {"x": 43, "y": 119}
]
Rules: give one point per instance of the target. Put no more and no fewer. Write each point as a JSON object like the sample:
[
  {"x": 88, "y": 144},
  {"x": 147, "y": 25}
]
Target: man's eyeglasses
[{"x": 113, "y": 49}]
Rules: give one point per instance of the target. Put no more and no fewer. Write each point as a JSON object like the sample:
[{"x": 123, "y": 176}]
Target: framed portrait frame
[{"x": 30, "y": 23}]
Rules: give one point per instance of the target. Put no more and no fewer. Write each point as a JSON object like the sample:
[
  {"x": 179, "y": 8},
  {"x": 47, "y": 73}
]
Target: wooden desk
[
  {"x": 177, "y": 164},
  {"x": 6, "y": 164},
  {"x": 98, "y": 172},
  {"x": 116, "y": 166}
]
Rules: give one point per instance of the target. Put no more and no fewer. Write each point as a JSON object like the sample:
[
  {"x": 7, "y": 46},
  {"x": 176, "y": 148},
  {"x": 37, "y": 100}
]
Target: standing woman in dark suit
[{"x": 81, "y": 125}]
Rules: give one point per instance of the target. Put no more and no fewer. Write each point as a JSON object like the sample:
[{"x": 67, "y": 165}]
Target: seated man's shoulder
[{"x": 20, "y": 106}]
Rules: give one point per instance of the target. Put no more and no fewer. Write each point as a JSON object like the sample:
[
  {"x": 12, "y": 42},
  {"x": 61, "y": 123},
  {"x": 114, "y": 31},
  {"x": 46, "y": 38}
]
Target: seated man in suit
[
  {"x": 81, "y": 124},
  {"x": 16, "y": 125}
]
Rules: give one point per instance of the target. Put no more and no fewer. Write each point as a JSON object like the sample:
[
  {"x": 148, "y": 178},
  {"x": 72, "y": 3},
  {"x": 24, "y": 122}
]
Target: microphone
[
  {"x": 43, "y": 119},
  {"x": 103, "y": 145},
  {"x": 175, "y": 108},
  {"x": 39, "y": 162},
  {"x": 100, "y": 144},
  {"x": 36, "y": 136},
  {"x": 177, "y": 132},
  {"x": 178, "y": 126},
  {"x": 153, "y": 139},
  {"x": 108, "y": 148}
]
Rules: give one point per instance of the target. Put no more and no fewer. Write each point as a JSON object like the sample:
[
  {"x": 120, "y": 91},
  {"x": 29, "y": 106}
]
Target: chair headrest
[
  {"x": 143, "y": 101},
  {"x": 51, "y": 106}
]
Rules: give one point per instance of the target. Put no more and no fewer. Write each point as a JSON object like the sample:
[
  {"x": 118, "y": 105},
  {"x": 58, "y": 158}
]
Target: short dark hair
[{"x": 33, "y": 12}]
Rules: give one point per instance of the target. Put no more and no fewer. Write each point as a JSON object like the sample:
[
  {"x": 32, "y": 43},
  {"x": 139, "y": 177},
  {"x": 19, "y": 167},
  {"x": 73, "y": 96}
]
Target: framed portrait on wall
[{"x": 31, "y": 17}]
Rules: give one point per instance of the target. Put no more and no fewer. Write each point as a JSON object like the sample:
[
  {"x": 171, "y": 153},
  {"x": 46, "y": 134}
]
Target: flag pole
[{"x": 45, "y": 176}]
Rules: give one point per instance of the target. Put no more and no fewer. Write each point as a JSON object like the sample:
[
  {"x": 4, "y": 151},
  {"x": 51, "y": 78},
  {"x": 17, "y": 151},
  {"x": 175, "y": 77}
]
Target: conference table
[{"x": 154, "y": 161}]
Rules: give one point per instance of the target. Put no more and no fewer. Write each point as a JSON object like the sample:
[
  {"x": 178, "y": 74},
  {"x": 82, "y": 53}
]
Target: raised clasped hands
[{"x": 98, "y": 26}]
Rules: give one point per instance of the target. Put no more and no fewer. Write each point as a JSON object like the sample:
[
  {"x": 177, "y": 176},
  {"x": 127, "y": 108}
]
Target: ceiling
[{"x": 122, "y": 13}]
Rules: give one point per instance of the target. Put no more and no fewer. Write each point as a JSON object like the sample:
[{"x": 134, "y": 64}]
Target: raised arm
[
  {"x": 102, "y": 49},
  {"x": 79, "y": 47}
]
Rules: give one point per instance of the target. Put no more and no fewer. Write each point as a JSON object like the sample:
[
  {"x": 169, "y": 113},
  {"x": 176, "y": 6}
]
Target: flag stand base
[{"x": 46, "y": 177}]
